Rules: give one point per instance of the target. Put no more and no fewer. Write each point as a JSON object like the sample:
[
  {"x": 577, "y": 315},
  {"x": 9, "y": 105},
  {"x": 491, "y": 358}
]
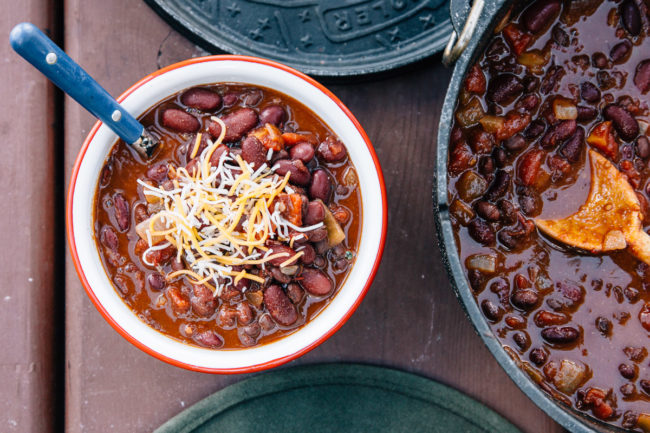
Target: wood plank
[
  {"x": 410, "y": 318},
  {"x": 31, "y": 294}
]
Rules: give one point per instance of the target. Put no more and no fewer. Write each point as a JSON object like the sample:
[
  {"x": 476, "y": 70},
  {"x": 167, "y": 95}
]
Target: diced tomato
[
  {"x": 475, "y": 81},
  {"x": 514, "y": 123},
  {"x": 290, "y": 207},
  {"x": 270, "y": 136},
  {"x": 293, "y": 138},
  {"x": 602, "y": 138},
  {"x": 516, "y": 38},
  {"x": 529, "y": 165}
]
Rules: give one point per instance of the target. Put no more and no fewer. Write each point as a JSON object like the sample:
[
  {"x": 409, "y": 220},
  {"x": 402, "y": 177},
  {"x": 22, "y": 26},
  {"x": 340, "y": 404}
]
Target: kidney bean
[
  {"x": 491, "y": 311},
  {"x": 273, "y": 114},
  {"x": 266, "y": 322},
  {"x": 481, "y": 232},
  {"x": 563, "y": 335},
  {"x": 201, "y": 99},
  {"x": 158, "y": 172},
  {"x": 589, "y": 92},
  {"x": 560, "y": 36},
  {"x": 572, "y": 148},
  {"x": 299, "y": 173},
  {"x": 277, "y": 156},
  {"x": 295, "y": 293},
  {"x": 108, "y": 238},
  {"x": 540, "y": 14},
  {"x": 321, "y": 186},
  {"x": 122, "y": 212},
  {"x": 538, "y": 356},
  {"x": 535, "y": 129},
  {"x": 279, "y": 305},
  {"x": 316, "y": 282},
  {"x": 645, "y": 385},
  {"x": 245, "y": 314},
  {"x": 642, "y": 76},
  {"x": 630, "y": 16},
  {"x": 237, "y": 123},
  {"x": 529, "y": 165},
  {"x": 302, "y": 151},
  {"x": 486, "y": 166},
  {"x": 531, "y": 83},
  {"x": 504, "y": 88},
  {"x": 558, "y": 133},
  {"x": 586, "y": 114},
  {"x": 315, "y": 213},
  {"x": 230, "y": 99},
  {"x": 642, "y": 147},
  {"x": 545, "y": 318},
  {"x": 245, "y": 339},
  {"x": 309, "y": 254},
  {"x": 317, "y": 235},
  {"x": 530, "y": 202},
  {"x": 209, "y": 339},
  {"x": 487, "y": 211},
  {"x": 253, "y": 330},
  {"x": 203, "y": 302},
  {"x": 252, "y": 151},
  {"x": 279, "y": 276},
  {"x": 227, "y": 317},
  {"x": 620, "y": 52},
  {"x": 277, "y": 249},
  {"x": 627, "y": 371},
  {"x": 156, "y": 281},
  {"x": 625, "y": 124},
  {"x": 499, "y": 186},
  {"x": 179, "y": 302},
  {"x": 524, "y": 299},
  {"x": 527, "y": 103},
  {"x": 252, "y": 97},
  {"x": 179, "y": 120},
  {"x": 522, "y": 340},
  {"x": 331, "y": 150},
  {"x": 500, "y": 157}
]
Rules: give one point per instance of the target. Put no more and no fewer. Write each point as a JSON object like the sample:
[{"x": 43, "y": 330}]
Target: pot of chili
[{"x": 545, "y": 95}]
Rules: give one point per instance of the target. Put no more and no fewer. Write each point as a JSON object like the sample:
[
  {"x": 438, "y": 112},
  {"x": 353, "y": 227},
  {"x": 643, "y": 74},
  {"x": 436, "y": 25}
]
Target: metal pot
[{"x": 473, "y": 29}]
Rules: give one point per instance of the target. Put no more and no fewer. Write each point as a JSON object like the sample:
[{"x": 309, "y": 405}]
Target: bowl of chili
[{"x": 254, "y": 232}]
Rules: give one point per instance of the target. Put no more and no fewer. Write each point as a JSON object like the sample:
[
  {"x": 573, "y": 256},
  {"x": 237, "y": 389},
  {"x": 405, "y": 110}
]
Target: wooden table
[{"x": 62, "y": 363}]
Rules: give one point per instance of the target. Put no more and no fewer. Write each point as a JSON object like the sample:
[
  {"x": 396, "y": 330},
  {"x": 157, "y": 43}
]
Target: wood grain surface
[
  {"x": 410, "y": 318},
  {"x": 31, "y": 292}
]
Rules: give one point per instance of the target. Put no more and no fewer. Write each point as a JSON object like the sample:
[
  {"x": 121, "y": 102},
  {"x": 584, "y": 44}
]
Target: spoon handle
[{"x": 39, "y": 50}]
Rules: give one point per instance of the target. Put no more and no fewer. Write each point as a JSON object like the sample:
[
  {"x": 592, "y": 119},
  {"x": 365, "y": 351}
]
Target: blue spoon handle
[{"x": 39, "y": 50}]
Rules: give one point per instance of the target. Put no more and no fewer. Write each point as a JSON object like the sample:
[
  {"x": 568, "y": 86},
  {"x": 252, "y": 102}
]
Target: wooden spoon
[{"x": 610, "y": 220}]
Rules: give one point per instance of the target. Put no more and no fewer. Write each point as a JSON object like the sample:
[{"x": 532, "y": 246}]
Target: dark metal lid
[{"x": 319, "y": 37}]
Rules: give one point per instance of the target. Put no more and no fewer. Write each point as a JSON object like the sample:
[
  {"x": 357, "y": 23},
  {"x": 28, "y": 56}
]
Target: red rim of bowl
[{"x": 257, "y": 367}]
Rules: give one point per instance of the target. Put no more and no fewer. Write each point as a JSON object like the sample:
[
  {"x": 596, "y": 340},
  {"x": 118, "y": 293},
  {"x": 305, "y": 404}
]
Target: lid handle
[{"x": 457, "y": 44}]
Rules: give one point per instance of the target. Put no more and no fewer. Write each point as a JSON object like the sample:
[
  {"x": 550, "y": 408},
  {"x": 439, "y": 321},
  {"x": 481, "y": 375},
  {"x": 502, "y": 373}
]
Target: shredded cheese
[{"x": 219, "y": 217}]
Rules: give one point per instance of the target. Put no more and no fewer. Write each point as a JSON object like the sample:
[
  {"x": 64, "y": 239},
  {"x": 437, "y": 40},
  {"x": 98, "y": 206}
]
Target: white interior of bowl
[{"x": 257, "y": 74}]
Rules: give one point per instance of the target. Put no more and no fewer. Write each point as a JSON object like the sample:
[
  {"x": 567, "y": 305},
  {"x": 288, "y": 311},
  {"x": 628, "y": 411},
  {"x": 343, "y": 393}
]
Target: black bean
[
  {"x": 491, "y": 310},
  {"x": 476, "y": 279},
  {"x": 573, "y": 147},
  {"x": 499, "y": 186},
  {"x": 522, "y": 340},
  {"x": 558, "y": 133},
  {"x": 627, "y": 371},
  {"x": 486, "y": 165},
  {"x": 504, "y": 88},
  {"x": 631, "y": 17},
  {"x": 538, "y": 356},
  {"x": 156, "y": 281},
  {"x": 525, "y": 299},
  {"x": 535, "y": 129},
  {"x": 586, "y": 114},
  {"x": 500, "y": 157},
  {"x": 563, "y": 335},
  {"x": 603, "y": 325},
  {"x": 560, "y": 36},
  {"x": 621, "y": 51},
  {"x": 487, "y": 210},
  {"x": 515, "y": 143},
  {"x": 589, "y": 92},
  {"x": 508, "y": 211},
  {"x": 540, "y": 14},
  {"x": 481, "y": 232},
  {"x": 642, "y": 147}
]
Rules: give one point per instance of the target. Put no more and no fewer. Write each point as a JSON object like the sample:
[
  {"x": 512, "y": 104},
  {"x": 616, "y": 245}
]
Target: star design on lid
[
  {"x": 233, "y": 9},
  {"x": 427, "y": 21},
  {"x": 264, "y": 23},
  {"x": 393, "y": 34},
  {"x": 304, "y": 15},
  {"x": 306, "y": 40},
  {"x": 255, "y": 34}
]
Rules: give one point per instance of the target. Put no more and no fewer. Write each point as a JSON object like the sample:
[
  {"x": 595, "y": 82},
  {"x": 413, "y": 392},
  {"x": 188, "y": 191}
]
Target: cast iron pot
[{"x": 465, "y": 49}]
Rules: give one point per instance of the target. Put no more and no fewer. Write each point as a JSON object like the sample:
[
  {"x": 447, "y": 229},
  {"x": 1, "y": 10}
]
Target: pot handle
[{"x": 464, "y": 20}]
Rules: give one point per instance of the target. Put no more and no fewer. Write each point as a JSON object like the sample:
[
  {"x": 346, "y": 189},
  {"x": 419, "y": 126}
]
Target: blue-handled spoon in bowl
[{"x": 39, "y": 50}]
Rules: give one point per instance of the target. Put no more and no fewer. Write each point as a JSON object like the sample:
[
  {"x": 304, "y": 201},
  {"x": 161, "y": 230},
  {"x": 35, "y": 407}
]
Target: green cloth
[{"x": 337, "y": 398}]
